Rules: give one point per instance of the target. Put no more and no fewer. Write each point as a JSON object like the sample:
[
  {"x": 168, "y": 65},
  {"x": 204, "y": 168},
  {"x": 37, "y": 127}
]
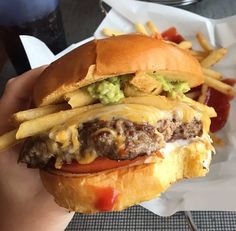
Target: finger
[
  {"x": 19, "y": 90},
  {"x": 17, "y": 96}
]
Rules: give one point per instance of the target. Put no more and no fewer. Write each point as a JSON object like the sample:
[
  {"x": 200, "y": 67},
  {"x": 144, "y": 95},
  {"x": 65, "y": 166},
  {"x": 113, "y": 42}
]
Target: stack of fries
[{"x": 38, "y": 120}]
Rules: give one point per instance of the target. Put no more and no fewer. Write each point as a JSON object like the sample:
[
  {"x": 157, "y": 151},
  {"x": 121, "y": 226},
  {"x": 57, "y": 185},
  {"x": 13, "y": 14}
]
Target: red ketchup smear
[
  {"x": 221, "y": 103},
  {"x": 172, "y": 35},
  {"x": 105, "y": 198}
]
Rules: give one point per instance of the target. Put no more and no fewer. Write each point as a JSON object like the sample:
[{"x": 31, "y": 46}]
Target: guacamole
[
  {"x": 173, "y": 88},
  {"x": 107, "y": 91}
]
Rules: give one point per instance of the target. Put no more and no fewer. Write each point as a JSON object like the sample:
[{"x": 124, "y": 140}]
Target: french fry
[
  {"x": 193, "y": 95},
  {"x": 185, "y": 45},
  {"x": 79, "y": 98},
  {"x": 200, "y": 58},
  {"x": 107, "y": 32},
  {"x": 162, "y": 102},
  {"x": 44, "y": 123},
  {"x": 8, "y": 139},
  {"x": 140, "y": 28},
  {"x": 150, "y": 25},
  {"x": 30, "y": 114},
  {"x": 202, "y": 97},
  {"x": 172, "y": 43},
  {"x": 210, "y": 111},
  {"x": 203, "y": 42},
  {"x": 220, "y": 86},
  {"x": 216, "y": 140},
  {"x": 199, "y": 53},
  {"x": 214, "y": 57},
  {"x": 211, "y": 73}
]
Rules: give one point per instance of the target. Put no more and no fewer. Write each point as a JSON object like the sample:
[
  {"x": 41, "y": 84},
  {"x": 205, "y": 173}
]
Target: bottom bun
[{"x": 118, "y": 189}]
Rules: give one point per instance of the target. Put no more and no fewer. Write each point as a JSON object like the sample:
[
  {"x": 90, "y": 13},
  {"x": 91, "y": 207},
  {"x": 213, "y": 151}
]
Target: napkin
[{"x": 216, "y": 191}]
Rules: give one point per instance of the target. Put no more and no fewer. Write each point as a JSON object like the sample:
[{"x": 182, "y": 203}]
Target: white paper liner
[{"x": 216, "y": 191}]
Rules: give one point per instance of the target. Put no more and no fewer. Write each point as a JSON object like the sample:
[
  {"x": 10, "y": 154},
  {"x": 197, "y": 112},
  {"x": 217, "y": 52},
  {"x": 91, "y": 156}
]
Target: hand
[{"x": 24, "y": 203}]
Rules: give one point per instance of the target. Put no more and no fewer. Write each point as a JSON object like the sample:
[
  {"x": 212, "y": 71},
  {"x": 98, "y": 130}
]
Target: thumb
[{"x": 17, "y": 96}]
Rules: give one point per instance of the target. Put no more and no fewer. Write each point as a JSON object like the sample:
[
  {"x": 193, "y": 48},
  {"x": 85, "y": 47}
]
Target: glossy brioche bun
[
  {"x": 133, "y": 184},
  {"x": 100, "y": 59}
]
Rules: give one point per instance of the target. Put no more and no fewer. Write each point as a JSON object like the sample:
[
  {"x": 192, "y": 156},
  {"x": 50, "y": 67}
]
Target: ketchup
[
  {"x": 105, "y": 198},
  {"x": 221, "y": 103},
  {"x": 172, "y": 35}
]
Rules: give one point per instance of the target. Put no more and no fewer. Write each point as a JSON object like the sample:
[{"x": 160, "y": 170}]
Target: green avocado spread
[
  {"x": 107, "y": 91},
  {"x": 173, "y": 88},
  {"x": 110, "y": 90}
]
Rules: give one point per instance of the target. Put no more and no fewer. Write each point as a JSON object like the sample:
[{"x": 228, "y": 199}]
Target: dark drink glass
[{"x": 39, "y": 18}]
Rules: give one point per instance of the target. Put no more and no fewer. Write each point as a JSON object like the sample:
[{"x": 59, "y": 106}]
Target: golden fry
[
  {"x": 109, "y": 33},
  {"x": 199, "y": 58},
  {"x": 7, "y": 140},
  {"x": 214, "y": 57},
  {"x": 30, "y": 114},
  {"x": 193, "y": 95},
  {"x": 79, "y": 98},
  {"x": 140, "y": 28},
  {"x": 216, "y": 140},
  {"x": 203, "y": 42},
  {"x": 161, "y": 103},
  {"x": 152, "y": 27},
  {"x": 43, "y": 124},
  {"x": 211, "y": 73},
  {"x": 199, "y": 53},
  {"x": 220, "y": 86},
  {"x": 202, "y": 97},
  {"x": 210, "y": 111},
  {"x": 185, "y": 45}
]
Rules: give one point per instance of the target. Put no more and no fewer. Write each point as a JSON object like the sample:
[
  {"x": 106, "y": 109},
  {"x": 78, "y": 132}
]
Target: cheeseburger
[{"x": 131, "y": 131}]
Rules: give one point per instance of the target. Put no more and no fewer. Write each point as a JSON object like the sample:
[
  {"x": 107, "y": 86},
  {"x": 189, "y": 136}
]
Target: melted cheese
[
  {"x": 88, "y": 157},
  {"x": 136, "y": 113},
  {"x": 68, "y": 138},
  {"x": 67, "y": 134}
]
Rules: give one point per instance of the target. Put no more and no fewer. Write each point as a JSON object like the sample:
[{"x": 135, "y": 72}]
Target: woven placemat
[{"x": 138, "y": 218}]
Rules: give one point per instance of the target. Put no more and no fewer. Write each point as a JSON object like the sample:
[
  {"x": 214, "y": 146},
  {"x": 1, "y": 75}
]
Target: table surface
[{"x": 81, "y": 18}]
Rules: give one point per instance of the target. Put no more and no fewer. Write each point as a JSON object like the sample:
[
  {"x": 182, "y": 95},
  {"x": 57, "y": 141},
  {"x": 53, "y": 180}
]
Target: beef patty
[{"x": 117, "y": 139}]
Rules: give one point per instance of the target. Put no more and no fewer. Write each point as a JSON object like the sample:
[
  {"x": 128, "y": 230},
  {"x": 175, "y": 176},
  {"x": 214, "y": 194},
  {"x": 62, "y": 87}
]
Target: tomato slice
[{"x": 101, "y": 164}]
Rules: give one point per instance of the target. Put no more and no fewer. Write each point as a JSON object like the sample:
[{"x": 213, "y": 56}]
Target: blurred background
[{"x": 81, "y": 18}]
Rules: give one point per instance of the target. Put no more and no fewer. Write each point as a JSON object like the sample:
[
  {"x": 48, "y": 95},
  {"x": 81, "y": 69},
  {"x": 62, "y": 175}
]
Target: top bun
[{"x": 100, "y": 59}]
